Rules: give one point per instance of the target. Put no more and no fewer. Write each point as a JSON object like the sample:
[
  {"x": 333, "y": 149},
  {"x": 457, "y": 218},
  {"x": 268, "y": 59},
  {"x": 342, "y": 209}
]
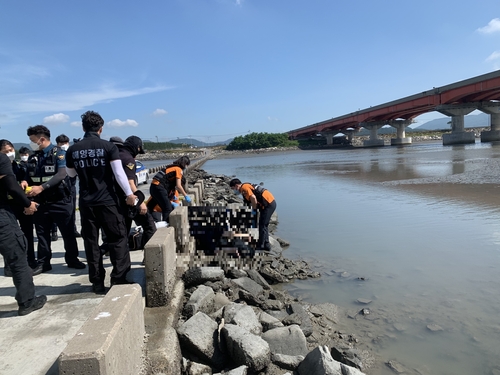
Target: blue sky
[{"x": 214, "y": 69}]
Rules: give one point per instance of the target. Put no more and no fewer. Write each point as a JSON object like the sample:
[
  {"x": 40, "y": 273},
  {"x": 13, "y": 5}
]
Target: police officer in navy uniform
[
  {"x": 97, "y": 163},
  {"x": 13, "y": 243},
  {"x": 46, "y": 175},
  {"x": 128, "y": 151},
  {"x": 25, "y": 221},
  {"x": 62, "y": 141}
]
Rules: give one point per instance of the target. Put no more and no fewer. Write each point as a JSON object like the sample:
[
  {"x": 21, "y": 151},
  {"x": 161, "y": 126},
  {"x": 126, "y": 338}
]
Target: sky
[{"x": 215, "y": 69}]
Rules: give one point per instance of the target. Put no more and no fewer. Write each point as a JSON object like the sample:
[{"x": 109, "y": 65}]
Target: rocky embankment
[{"x": 260, "y": 329}]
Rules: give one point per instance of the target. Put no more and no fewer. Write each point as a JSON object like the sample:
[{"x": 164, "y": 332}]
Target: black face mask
[{"x": 135, "y": 143}]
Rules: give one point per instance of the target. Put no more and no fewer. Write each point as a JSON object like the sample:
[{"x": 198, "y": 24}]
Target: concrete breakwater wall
[{"x": 216, "y": 318}]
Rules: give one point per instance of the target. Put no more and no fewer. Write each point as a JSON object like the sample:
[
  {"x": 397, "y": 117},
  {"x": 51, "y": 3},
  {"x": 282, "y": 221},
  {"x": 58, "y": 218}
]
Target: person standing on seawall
[
  {"x": 165, "y": 183},
  {"x": 25, "y": 221},
  {"x": 128, "y": 151},
  {"x": 46, "y": 175},
  {"x": 63, "y": 141},
  {"x": 261, "y": 199},
  {"x": 14, "y": 245},
  {"x": 96, "y": 161}
]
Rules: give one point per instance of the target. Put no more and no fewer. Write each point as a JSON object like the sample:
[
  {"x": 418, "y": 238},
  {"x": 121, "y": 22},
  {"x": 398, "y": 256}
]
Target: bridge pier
[
  {"x": 350, "y": 133},
  {"x": 493, "y": 109},
  {"x": 401, "y": 138},
  {"x": 458, "y": 135},
  {"x": 374, "y": 141},
  {"x": 329, "y": 137}
]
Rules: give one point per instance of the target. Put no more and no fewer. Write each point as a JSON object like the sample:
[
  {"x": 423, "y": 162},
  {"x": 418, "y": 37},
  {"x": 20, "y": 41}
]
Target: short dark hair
[
  {"x": 63, "y": 138},
  {"x": 39, "y": 130},
  {"x": 5, "y": 142},
  {"x": 92, "y": 121},
  {"x": 234, "y": 182},
  {"x": 24, "y": 150},
  {"x": 182, "y": 162}
]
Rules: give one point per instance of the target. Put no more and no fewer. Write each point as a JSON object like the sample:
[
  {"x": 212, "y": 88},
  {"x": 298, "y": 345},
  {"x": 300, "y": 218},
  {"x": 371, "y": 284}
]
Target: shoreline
[
  {"x": 357, "y": 142},
  {"x": 322, "y": 323}
]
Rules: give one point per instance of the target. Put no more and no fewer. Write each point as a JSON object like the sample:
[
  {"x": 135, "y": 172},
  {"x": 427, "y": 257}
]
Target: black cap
[
  {"x": 136, "y": 142},
  {"x": 116, "y": 141}
]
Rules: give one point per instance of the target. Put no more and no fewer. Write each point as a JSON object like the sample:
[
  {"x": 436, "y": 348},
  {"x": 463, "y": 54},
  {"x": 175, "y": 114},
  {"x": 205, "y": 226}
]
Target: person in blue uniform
[
  {"x": 14, "y": 246},
  {"x": 97, "y": 164},
  {"x": 49, "y": 183}
]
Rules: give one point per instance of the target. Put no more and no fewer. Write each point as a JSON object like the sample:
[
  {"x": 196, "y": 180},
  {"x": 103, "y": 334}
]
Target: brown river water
[{"x": 420, "y": 224}]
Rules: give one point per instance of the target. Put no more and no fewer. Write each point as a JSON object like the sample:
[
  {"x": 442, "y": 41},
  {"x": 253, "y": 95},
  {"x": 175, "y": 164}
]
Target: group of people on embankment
[{"x": 39, "y": 191}]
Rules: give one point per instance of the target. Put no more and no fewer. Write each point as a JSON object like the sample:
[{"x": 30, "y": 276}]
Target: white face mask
[
  {"x": 34, "y": 146},
  {"x": 65, "y": 147},
  {"x": 11, "y": 155},
  {"x": 24, "y": 158}
]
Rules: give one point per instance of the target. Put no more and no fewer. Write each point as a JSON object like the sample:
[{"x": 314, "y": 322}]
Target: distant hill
[
  {"x": 470, "y": 121},
  {"x": 197, "y": 143}
]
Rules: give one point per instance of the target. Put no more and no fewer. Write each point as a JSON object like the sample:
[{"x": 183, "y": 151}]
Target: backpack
[{"x": 258, "y": 190}]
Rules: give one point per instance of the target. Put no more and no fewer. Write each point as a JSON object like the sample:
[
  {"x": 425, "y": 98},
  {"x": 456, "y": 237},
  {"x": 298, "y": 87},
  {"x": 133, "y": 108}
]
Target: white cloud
[
  {"x": 159, "y": 112},
  {"x": 12, "y": 104},
  {"x": 239, "y": 2},
  {"x": 492, "y": 27},
  {"x": 494, "y": 56},
  {"x": 76, "y": 123},
  {"x": 269, "y": 118},
  {"x": 116, "y": 123},
  {"x": 57, "y": 118}
]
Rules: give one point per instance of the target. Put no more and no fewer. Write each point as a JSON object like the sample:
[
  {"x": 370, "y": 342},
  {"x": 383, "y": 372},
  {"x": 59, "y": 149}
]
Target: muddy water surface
[{"x": 415, "y": 230}]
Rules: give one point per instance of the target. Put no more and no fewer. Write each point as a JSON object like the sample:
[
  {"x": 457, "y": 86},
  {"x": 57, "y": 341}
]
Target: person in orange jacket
[
  {"x": 260, "y": 199},
  {"x": 156, "y": 210},
  {"x": 164, "y": 185}
]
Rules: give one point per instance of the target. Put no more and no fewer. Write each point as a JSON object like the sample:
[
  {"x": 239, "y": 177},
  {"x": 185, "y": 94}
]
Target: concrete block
[
  {"x": 163, "y": 348},
  {"x": 160, "y": 262},
  {"x": 490, "y": 136},
  {"x": 199, "y": 185},
  {"x": 195, "y": 194},
  {"x": 111, "y": 341},
  {"x": 179, "y": 221},
  {"x": 458, "y": 138}
]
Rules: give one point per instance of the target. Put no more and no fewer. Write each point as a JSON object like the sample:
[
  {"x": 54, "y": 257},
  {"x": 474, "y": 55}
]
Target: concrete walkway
[{"x": 31, "y": 344}]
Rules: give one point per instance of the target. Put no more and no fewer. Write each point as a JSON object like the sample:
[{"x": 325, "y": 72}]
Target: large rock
[
  {"x": 249, "y": 285},
  {"x": 320, "y": 362},
  {"x": 243, "y": 316},
  {"x": 245, "y": 348},
  {"x": 288, "y": 362},
  {"x": 242, "y": 370},
  {"x": 268, "y": 322},
  {"x": 202, "y": 300},
  {"x": 257, "y": 277},
  {"x": 194, "y": 368},
  {"x": 301, "y": 316},
  {"x": 288, "y": 340},
  {"x": 199, "y": 336},
  {"x": 200, "y": 275}
]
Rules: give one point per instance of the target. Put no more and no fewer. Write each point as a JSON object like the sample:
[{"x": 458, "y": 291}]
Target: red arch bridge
[{"x": 455, "y": 100}]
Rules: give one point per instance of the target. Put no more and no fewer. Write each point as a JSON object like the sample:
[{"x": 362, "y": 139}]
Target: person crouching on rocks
[
  {"x": 261, "y": 199},
  {"x": 164, "y": 185}
]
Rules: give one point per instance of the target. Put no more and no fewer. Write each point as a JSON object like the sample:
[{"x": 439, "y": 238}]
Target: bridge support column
[
  {"x": 401, "y": 138},
  {"x": 493, "y": 109},
  {"x": 458, "y": 135},
  {"x": 329, "y": 137},
  {"x": 374, "y": 141},
  {"x": 349, "y": 133}
]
